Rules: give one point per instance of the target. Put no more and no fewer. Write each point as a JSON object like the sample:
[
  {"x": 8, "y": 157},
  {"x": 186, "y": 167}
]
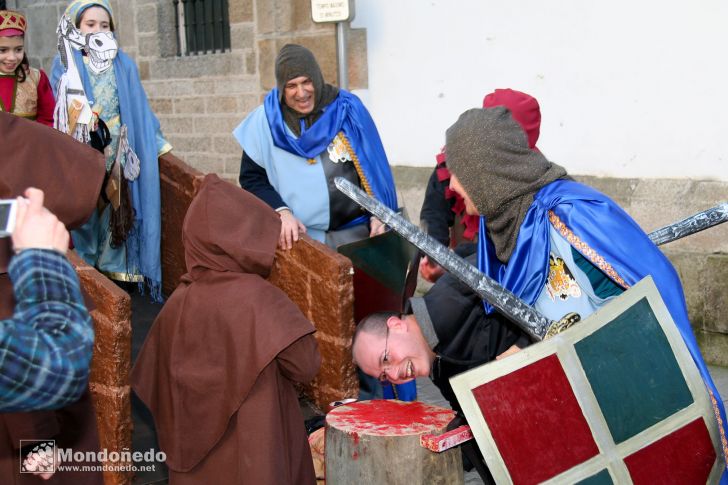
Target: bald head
[
  {"x": 391, "y": 345},
  {"x": 374, "y": 324}
]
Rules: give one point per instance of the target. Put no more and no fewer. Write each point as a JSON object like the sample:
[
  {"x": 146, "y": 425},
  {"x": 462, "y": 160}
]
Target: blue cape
[
  {"x": 346, "y": 113},
  {"x": 143, "y": 245},
  {"x": 595, "y": 220}
]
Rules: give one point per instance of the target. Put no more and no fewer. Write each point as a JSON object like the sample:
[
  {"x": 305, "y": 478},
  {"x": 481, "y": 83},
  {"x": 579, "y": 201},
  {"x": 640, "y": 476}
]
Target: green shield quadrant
[
  {"x": 633, "y": 372},
  {"x": 601, "y": 478},
  {"x": 385, "y": 273}
]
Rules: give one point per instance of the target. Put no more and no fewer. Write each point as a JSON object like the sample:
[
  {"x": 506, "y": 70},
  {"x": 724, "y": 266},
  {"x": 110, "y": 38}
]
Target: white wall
[{"x": 627, "y": 88}]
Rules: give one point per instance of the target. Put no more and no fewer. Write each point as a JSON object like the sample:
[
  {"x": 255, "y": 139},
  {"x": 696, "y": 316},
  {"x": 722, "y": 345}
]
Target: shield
[
  {"x": 615, "y": 399},
  {"x": 385, "y": 273}
]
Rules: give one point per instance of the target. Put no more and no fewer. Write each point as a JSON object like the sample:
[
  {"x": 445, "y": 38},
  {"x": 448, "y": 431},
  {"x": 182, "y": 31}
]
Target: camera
[{"x": 8, "y": 209}]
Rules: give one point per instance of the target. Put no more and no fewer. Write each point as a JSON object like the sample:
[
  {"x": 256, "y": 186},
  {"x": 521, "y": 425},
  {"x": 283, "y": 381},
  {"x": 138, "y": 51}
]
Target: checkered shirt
[{"x": 46, "y": 347}]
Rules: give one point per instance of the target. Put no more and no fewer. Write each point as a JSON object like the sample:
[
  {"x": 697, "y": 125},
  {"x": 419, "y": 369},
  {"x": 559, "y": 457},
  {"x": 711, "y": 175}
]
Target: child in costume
[
  {"x": 24, "y": 90},
  {"x": 127, "y": 251}
]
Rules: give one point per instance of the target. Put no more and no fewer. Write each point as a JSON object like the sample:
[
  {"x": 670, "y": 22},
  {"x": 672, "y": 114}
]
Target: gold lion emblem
[{"x": 561, "y": 283}]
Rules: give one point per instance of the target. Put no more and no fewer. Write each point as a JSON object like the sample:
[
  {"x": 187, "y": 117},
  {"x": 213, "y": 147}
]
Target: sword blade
[
  {"x": 690, "y": 225},
  {"x": 527, "y": 318}
]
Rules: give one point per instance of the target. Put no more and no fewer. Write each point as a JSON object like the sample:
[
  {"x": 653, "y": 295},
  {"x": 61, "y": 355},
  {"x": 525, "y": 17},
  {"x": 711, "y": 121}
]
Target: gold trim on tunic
[
  {"x": 354, "y": 158},
  {"x": 25, "y": 96},
  {"x": 723, "y": 440},
  {"x": 589, "y": 253}
]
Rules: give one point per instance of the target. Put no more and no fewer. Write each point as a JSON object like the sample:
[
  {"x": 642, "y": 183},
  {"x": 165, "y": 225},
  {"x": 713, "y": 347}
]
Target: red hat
[
  {"x": 523, "y": 107},
  {"x": 12, "y": 24}
]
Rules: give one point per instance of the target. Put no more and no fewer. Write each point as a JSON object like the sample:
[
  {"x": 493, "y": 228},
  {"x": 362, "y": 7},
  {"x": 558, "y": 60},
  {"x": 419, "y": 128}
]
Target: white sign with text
[{"x": 332, "y": 10}]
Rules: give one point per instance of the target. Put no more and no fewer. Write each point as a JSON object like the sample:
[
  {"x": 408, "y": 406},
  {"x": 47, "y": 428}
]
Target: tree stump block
[{"x": 379, "y": 442}]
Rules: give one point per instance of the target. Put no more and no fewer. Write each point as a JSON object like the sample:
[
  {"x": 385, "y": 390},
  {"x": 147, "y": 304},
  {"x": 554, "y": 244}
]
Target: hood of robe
[
  {"x": 68, "y": 172},
  {"x": 227, "y": 229},
  {"x": 220, "y": 329}
]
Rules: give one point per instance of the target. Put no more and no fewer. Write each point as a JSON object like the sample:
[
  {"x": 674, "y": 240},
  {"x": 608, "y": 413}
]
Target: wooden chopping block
[{"x": 378, "y": 441}]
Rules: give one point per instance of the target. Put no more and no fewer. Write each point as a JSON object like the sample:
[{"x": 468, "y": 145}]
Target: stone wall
[
  {"x": 701, "y": 259},
  {"x": 111, "y": 363},
  {"x": 179, "y": 184},
  {"x": 320, "y": 283}
]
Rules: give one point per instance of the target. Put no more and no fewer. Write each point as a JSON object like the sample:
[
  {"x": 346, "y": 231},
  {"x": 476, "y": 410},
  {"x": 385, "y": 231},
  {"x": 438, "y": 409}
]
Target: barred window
[{"x": 202, "y": 26}]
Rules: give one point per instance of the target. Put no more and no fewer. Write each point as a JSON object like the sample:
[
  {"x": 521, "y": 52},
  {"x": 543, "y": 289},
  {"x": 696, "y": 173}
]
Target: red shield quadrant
[{"x": 615, "y": 399}]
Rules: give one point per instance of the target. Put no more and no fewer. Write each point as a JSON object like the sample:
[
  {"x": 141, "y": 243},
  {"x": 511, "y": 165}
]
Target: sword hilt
[{"x": 566, "y": 322}]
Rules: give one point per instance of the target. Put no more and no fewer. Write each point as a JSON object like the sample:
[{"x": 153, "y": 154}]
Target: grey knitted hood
[
  {"x": 488, "y": 152},
  {"x": 293, "y": 61}
]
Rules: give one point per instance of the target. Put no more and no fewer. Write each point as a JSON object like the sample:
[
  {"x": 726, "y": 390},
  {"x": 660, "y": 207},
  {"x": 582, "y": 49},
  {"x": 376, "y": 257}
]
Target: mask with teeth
[{"x": 101, "y": 48}]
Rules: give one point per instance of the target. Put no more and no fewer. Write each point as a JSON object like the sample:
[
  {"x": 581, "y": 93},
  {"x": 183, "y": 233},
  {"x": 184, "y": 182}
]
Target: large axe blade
[
  {"x": 531, "y": 321},
  {"x": 690, "y": 225}
]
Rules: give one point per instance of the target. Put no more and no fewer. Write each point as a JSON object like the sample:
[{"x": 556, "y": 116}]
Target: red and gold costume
[{"x": 31, "y": 97}]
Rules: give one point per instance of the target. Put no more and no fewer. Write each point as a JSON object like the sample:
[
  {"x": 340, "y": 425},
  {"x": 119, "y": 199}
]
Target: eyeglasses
[{"x": 385, "y": 359}]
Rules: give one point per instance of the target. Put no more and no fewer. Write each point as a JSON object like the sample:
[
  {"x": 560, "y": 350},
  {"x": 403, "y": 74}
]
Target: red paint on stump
[{"x": 389, "y": 418}]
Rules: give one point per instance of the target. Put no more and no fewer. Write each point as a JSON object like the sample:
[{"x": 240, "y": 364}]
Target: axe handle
[{"x": 445, "y": 441}]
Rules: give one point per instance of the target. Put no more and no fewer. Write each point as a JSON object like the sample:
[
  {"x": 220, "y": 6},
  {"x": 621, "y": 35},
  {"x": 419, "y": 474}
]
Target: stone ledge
[
  {"x": 111, "y": 362},
  {"x": 319, "y": 281},
  {"x": 714, "y": 347},
  {"x": 197, "y": 66}
]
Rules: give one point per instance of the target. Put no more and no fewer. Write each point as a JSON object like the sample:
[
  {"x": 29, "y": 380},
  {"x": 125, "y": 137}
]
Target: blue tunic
[{"x": 293, "y": 164}]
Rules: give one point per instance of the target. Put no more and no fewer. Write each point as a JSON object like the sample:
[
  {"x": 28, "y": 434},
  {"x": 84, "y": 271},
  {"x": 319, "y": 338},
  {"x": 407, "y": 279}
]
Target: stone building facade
[{"x": 199, "y": 99}]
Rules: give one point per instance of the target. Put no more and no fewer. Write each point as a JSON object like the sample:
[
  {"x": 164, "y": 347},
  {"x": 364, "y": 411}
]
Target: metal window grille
[{"x": 202, "y": 26}]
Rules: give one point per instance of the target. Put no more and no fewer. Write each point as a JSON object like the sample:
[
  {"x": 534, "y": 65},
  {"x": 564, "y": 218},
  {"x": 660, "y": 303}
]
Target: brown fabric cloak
[
  {"x": 218, "y": 367},
  {"x": 70, "y": 174}
]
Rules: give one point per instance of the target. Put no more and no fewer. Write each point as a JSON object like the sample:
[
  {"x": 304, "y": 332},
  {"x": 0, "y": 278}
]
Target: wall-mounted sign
[{"x": 332, "y": 10}]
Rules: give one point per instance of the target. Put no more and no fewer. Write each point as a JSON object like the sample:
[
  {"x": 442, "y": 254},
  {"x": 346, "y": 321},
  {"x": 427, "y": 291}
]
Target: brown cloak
[
  {"x": 218, "y": 367},
  {"x": 70, "y": 174}
]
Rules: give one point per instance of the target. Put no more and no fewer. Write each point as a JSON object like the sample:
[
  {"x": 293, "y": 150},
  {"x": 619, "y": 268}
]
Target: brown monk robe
[
  {"x": 218, "y": 367},
  {"x": 70, "y": 174}
]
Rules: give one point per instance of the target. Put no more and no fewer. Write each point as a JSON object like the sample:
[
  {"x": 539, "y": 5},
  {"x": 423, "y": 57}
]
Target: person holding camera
[
  {"x": 70, "y": 174},
  {"x": 46, "y": 346}
]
